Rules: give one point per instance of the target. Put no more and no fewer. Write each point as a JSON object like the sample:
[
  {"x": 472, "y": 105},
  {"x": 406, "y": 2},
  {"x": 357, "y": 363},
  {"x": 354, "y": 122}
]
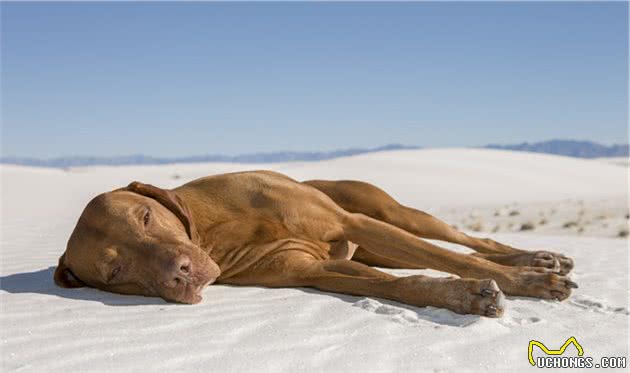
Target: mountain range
[
  {"x": 571, "y": 148},
  {"x": 140, "y": 159}
]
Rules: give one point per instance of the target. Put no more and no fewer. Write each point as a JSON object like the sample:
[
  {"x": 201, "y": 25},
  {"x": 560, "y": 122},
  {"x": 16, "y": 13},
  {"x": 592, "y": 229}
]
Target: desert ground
[{"x": 533, "y": 201}]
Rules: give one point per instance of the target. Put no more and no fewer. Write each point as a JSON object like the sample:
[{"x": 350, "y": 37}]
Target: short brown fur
[{"x": 264, "y": 228}]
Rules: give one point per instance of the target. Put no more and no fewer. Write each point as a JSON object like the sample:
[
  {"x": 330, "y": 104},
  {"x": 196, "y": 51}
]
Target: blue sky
[{"x": 168, "y": 79}]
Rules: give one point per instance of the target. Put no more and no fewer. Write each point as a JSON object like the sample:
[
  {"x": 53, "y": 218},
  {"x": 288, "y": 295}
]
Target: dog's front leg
[{"x": 295, "y": 268}]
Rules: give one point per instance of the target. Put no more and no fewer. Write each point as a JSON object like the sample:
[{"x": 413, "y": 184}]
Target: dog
[{"x": 262, "y": 228}]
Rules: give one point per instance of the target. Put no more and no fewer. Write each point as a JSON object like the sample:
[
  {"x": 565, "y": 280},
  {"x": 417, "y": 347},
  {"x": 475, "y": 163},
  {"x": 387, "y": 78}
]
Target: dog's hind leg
[{"x": 367, "y": 199}]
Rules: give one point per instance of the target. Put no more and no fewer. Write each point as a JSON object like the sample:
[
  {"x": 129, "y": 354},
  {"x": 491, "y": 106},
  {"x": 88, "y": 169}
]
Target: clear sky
[{"x": 169, "y": 79}]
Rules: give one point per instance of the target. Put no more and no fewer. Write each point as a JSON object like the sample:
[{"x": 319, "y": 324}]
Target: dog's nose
[
  {"x": 182, "y": 264},
  {"x": 179, "y": 271}
]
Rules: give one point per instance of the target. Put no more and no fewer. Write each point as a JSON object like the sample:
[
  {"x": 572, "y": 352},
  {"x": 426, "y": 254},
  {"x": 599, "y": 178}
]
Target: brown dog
[{"x": 263, "y": 228}]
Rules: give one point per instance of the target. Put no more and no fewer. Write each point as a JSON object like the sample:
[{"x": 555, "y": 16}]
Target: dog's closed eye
[
  {"x": 113, "y": 273},
  {"x": 146, "y": 218}
]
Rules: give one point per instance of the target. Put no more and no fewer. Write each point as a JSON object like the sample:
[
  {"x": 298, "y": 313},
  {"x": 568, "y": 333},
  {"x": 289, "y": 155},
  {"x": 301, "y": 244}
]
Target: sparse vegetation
[
  {"x": 570, "y": 224},
  {"x": 475, "y": 227},
  {"x": 623, "y": 232},
  {"x": 527, "y": 226},
  {"x": 595, "y": 218}
]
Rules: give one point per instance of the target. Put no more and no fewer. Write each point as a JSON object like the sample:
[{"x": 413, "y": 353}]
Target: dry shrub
[
  {"x": 527, "y": 226},
  {"x": 570, "y": 224},
  {"x": 475, "y": 227}
]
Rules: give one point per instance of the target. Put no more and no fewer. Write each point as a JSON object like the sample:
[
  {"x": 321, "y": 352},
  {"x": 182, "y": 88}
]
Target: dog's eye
[
  {"x": 114, "y": 273},
  {"x": 146, "y": 217}
]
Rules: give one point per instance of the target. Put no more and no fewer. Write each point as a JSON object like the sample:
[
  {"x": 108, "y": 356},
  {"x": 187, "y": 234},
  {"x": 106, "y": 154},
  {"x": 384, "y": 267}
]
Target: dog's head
[{"x": 137, "y": 240}]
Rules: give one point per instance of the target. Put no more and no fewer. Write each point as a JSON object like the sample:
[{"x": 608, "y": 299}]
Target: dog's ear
[
  {"x": 64, "y": 277},
  {"x": 171, "y": 201}
]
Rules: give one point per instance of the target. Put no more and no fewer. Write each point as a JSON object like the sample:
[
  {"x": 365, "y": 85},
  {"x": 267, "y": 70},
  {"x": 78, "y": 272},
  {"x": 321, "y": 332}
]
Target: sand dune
[{"x": 45, "y": 328}]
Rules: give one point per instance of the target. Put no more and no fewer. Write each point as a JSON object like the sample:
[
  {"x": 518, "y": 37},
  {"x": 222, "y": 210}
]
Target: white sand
[
  {"x": 620, "y": 161},
  {"x": 45, "y": 328}
]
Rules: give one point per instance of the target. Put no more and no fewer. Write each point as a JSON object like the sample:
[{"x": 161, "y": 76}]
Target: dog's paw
[
  {"x": 473, "y": 296},
  {"x": 557, "y": 263},
  {"x": 544, "y": 259},
  {"x": 484, "y": 298},
  {"x": 548, "y": 260},
  {"x": 566, "y": 263},
  {"x": 460, "y": 295},
  {"x": 538, "y": 282}
]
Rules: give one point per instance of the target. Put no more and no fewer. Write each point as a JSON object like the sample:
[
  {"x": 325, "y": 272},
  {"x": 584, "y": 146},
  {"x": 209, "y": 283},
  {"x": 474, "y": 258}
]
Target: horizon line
[
  {"x": 388, "y": 146},
  {"x": 562, "y": 147}
]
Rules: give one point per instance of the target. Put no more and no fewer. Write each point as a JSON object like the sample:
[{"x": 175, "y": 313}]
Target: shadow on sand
[
  {"x": 41, "y": 282},
  {"x": 402, "y": 313}
]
